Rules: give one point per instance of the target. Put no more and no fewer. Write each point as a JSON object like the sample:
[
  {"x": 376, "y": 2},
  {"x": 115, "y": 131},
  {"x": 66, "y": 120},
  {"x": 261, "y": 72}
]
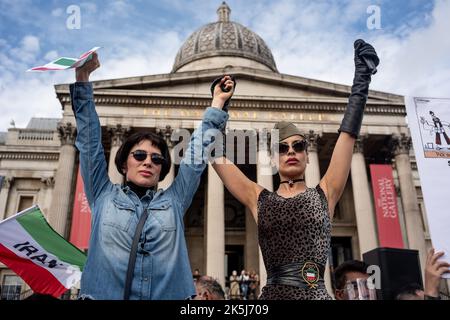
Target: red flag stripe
[
  {"x": 85, "y": 55},
  {"x": 45, "y": 68},
  {"x": 38, "y": 278}
]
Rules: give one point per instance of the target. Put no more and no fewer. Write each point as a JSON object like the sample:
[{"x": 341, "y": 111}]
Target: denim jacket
[{"x": 162, "y": 270}]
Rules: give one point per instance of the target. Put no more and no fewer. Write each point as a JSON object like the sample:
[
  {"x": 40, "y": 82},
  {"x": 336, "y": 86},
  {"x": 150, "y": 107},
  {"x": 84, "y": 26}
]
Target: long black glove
[
  {"x": 366, "y": 61},
  {"x": 213, "y": 85}
]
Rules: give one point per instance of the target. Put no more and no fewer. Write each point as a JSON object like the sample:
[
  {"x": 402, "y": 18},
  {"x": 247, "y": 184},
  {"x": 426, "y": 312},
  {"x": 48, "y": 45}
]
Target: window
[
  {"x": 11, "y": 288},
  {"x": 25, "y": 202}
]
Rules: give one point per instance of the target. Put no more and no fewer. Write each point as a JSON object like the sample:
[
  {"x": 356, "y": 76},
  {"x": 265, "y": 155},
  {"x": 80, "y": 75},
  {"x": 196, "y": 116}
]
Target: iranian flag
[
  {"x": 65, "y": 63},
  {"x": 46, "y": 261}
]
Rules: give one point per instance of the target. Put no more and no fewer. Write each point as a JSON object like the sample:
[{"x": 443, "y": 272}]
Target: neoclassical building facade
[{"x": 39, "y": 163}]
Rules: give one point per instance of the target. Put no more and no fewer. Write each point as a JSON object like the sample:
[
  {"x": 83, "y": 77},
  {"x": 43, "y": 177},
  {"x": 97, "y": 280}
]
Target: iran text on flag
[{"x": 46, "y": 261}]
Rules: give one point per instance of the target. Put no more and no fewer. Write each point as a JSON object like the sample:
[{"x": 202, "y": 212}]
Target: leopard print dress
[{"x": 293, "y": 230}]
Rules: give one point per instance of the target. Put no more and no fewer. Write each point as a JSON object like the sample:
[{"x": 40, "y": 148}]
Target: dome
[{"x": 224, "y": 38}]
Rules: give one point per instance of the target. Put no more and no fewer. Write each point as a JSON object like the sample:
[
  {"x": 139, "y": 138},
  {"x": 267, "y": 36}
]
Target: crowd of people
[{"x": 244, "y": 286}]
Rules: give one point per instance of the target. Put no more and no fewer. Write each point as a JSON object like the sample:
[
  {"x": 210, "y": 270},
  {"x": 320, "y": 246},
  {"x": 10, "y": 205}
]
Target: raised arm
[
  {"x": 241, "y": 187},
  {"x": 334, "y": 180},
  {"x": 435, "y": 268},
  {"x": 89, "y": 137},
  {"x": 196, "y": 155}
]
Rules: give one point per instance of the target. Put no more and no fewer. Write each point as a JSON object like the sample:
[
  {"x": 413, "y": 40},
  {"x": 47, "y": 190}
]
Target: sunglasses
[
  {"x": 297, "y": 146},
  {"x": 141, "y": 155}
]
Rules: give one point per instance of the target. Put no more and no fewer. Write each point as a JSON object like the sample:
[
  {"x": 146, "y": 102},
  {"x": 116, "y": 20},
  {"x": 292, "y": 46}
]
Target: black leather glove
[
  {"x": 366, "y": 61},
  {"x": 213, "y": 85},
  {"x": 217, "y": 152}
]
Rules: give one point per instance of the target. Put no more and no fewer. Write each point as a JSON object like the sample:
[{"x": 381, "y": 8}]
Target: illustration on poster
[{"x": 438, "y": 127}]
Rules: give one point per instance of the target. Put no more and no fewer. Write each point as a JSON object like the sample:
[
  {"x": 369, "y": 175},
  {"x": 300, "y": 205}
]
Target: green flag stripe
[
  {"x": 65, "y": 62},
  {"x": 36, "y": 225}
]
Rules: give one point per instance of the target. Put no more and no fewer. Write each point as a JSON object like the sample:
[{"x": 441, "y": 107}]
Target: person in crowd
[
  {"x": 244, "y": 280},
  {"x": 346, "y": 273},
  {"x": 294, "y": 221},
  {"x": 137, "y": 248},
  {"x": 434, "y": 271},
  {"x": 253, "y": 285},
  {"x": 412, "y": 291},
  {"x": 234, "y": 286},
  {"x": 207, "y": 288}
]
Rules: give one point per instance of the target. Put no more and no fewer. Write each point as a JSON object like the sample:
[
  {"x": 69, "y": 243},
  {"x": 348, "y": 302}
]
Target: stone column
[
  {"x": 61, "y": 206},
  {"x": 264, "y": 179},
  {"x": 365, "y": 219},
  {"x": 49, "y": 184},
  {"x": 413, "y": 216},
  {"x": 312, "y": 173},
  {"x": 215, "y": 227},
  {"x": 167, "y": 135},
  {"x": 117, "y": 134},
  {"x": 4, "y": 193}
]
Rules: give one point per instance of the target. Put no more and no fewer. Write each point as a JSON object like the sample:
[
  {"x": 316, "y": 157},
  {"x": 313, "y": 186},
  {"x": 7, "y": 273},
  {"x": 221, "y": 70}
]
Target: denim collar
[{"x": 149, "y": 195}]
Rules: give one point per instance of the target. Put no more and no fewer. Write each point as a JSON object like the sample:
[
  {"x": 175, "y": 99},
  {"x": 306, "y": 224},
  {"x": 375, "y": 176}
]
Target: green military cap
[{"x": 287, "y": 129}]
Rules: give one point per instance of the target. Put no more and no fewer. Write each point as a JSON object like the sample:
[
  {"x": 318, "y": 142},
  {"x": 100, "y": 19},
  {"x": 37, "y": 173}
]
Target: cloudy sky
[{"x": 312, "y": 39}]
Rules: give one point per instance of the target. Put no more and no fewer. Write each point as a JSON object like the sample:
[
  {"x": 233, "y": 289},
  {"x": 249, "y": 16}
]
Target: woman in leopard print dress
[{"x": 294, "y": 222}]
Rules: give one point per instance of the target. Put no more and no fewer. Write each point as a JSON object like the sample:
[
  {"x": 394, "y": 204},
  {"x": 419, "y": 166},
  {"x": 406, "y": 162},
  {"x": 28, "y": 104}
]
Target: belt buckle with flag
[
  {"x": 310, "y": 274},
  {"x": 46, "y": 261}
]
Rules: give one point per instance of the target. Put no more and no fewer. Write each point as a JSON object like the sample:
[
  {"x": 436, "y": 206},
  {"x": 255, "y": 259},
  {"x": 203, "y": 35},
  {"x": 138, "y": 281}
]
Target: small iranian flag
[
  {"x": 46, "y": 261},
  {"x": 66, "y": 63}
]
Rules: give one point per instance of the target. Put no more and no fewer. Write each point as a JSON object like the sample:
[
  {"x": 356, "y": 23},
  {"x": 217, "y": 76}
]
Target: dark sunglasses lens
[
  {"x": 140, "y": 155},
  {"x": 299, "y": 146},
  {"x": 283, "y": 148},
  {"x": 157, "y": 159}
]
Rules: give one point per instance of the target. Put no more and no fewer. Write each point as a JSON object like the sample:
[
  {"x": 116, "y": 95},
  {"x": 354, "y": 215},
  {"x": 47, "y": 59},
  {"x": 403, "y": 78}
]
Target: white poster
[{"x": 429, "y": 122}]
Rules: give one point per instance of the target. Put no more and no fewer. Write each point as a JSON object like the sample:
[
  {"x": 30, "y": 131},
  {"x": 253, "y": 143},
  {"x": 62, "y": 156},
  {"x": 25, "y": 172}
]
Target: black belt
[{"x": 305, "y": 275}]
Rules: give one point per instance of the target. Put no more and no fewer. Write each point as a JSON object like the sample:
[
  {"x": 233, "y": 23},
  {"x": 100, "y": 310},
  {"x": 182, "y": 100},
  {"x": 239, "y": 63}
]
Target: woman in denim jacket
[{"x": 162, "y": 269}]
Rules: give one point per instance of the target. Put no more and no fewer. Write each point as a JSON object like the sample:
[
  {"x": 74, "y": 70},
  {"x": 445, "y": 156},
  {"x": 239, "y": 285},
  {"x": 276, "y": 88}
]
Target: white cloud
[
  {"x": 30, "y": 44},
  {"x": 153, "y": 56},
  {"x": 27, "y": 98},
  {"x": 419, "y": 65},
  {"x": 27, "y": 51},
  {"x": 51, "y": 55},
  {"x": 315, "y": 40}
]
